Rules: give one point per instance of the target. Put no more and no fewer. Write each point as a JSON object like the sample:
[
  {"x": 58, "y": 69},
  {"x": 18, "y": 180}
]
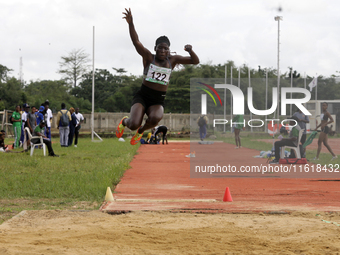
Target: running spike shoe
[
  {"x": 136, "y": 138},
  {"x": 120, "y": 128}
]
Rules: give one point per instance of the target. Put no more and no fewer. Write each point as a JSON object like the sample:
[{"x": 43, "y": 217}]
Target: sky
[{"x": 244, "y": 31}]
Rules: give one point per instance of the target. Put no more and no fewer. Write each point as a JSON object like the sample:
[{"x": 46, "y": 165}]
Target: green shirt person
[
  {"x": 292, "y": 140},
  {"x": 16, "y": 120},
  {"x": 39, "y": 131},
  {"x": 239, "y": 121}
]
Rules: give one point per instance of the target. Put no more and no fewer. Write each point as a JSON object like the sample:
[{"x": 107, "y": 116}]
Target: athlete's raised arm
[
  {"x": 192, "y": 59},
  {"x": 144, "y": 52}
]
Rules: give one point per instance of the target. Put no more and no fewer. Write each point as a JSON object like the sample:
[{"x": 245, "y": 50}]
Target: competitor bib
[{"x": 160, "y": 75}]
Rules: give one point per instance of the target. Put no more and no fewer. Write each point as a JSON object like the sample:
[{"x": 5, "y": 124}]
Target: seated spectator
[
  {"x": 3, "y": 147},
  {"x": 150, "y": 135},
  {"x": 292, "y": 140},
  {"x": 39, "y": 131}
]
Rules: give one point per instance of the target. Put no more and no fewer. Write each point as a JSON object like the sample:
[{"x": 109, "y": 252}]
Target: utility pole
[{"x": 278, "y": 18}]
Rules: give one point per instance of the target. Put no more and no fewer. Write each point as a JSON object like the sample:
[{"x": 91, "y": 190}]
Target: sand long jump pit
[{"x": 66, "y": 232}]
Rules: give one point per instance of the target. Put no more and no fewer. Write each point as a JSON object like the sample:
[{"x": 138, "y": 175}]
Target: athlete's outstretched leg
[
  {"x": 136, "y": 117},
  {"x": 155, "y": 114}
]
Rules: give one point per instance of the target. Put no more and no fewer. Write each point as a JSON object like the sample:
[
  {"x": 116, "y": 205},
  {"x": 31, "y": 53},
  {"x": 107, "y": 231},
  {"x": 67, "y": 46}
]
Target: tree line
[{"x": 114, "y": 91}]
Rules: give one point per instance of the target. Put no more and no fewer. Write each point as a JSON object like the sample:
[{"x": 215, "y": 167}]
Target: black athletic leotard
[{"x": 323, "y": 117}]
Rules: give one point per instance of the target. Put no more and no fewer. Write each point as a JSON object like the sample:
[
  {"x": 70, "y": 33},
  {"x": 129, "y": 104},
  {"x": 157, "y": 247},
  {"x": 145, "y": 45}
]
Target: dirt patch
[{"x": 94, "y": 232}]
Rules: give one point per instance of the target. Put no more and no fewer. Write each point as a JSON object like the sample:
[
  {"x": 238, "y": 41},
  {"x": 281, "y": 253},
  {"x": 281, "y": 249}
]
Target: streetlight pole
[
  {"x": 278, "y": 18},
  {"x": 93, "y": 70}
]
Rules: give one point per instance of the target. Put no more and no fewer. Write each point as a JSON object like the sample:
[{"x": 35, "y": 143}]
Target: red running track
[{"x": 159, "y": 179}]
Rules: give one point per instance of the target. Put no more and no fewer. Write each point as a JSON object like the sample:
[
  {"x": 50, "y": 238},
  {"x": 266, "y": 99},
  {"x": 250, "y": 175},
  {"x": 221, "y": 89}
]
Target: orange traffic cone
[{"x": 227, "y": 197}]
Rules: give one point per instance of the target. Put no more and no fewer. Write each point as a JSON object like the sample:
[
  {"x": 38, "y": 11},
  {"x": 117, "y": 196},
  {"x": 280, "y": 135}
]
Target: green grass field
[{"x": 78, "y": 179}]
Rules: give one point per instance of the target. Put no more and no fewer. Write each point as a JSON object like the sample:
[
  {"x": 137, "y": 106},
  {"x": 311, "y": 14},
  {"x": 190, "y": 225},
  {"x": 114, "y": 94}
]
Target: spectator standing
[
  {"x": 40, "y": 114},
  {"x": 72, "y": 126},
  {"x": 303, "y": 120},
  {"x": 202, "y": 122},
  {"x": 16, "y": 120},
  {"x": 161, "y": 129},
  {"x": 25, "y": 110},
  {"x": 48, "y": 119},
  {"x": 32, "y": 119},
  {"x": 21, "y": 130},
  {"x": 80, "y": 119},
  {"x": 238, "y": 124},
  {"x": 63, "y": 121},
  {"x": 25, "y": 141}
]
